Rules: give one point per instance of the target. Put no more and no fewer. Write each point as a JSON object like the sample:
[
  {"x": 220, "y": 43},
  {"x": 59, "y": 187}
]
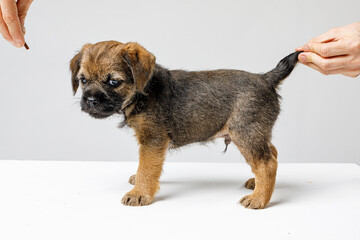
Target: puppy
[{"x": 170, "y": 109}]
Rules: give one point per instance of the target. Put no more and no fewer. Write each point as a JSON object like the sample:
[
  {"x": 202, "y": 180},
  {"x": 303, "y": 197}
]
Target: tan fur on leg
[
  {"x": 147, "y": 176},
  {"x": 265, "y": 175}
]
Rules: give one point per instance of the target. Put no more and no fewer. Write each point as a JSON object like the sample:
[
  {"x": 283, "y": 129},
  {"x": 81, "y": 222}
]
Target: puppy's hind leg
[
  {"x": 264, "y": 183},
  {"x": 262, "y": 159},
  {"x": 250, "y": 184}
]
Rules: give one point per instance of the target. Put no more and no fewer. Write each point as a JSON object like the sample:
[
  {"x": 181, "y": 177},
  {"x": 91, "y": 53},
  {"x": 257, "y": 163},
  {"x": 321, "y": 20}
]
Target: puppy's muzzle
[
  {"x": 97, "y": 104},
  {"x": 92, "y": 99}
]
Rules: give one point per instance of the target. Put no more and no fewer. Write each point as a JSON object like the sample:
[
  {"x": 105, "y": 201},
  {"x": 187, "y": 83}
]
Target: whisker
[{"x": 76, "y": 104}]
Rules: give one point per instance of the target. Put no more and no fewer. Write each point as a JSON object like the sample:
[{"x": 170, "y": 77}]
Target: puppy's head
[{"x": 110, "y": 73}]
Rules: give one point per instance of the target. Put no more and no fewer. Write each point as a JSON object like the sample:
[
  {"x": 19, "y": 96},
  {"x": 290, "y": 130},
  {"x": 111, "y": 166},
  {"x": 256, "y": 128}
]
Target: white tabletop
[{"x": 81, "y": 200}]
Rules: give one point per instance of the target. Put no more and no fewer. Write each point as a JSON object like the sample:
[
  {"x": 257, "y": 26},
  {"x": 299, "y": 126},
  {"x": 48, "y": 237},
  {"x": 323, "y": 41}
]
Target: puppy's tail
[{"x": 282, "y": 70}]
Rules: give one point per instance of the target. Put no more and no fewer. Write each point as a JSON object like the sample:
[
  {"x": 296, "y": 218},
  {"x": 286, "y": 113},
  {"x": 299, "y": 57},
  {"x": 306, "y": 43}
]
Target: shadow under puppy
[{"x": 170, "y": 109}]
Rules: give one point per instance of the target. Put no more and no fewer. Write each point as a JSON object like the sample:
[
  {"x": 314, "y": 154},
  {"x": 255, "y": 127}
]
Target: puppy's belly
[{"x": 198, "y": 133}]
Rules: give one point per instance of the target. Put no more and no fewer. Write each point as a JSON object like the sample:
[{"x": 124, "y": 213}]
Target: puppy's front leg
[{"x": 151, "y": 160}]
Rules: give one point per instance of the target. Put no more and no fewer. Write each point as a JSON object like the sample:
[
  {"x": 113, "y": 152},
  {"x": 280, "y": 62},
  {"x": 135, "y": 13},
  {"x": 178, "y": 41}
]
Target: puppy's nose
[{"x": 92, "y": 101}]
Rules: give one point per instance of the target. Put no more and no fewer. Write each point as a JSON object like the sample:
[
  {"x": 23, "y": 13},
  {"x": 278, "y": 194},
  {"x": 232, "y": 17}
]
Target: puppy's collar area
[
  {"x": 134, "y": 105},
  {"x": 129, "y": 102}
]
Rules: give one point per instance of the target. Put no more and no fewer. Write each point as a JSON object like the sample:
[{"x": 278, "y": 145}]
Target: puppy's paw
[
  {"x": 250, "y": 184},
  {"x": 132, "y": 179},
  {"x": 252, "y": 201},
  {"x": 134, "y": 198}
]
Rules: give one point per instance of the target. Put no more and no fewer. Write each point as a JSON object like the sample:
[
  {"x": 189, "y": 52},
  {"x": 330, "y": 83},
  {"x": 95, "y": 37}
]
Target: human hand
[
  {"x": 334, "y": 52},
  {"x": 12, "y": 19}
]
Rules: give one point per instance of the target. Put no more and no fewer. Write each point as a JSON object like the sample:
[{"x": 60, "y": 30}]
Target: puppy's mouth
[
  {"x": 98, "y": 115},
  {"x": 99, "y": 111}
]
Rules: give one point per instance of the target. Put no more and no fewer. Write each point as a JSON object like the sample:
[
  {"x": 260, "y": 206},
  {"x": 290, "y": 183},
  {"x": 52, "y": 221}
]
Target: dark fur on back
[{"x": 195, "y": 105}]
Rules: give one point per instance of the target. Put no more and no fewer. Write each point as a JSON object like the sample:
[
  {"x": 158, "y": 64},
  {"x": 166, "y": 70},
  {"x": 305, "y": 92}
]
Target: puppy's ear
[
  {"x": 141, "y": 63},
  {"x": 75, "y": 67}
]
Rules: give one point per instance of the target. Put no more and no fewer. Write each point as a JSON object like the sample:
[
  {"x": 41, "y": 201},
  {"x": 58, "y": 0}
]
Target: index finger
[
  {"x": 329, "y": 49},
  {"x": 11, "y": 19}
]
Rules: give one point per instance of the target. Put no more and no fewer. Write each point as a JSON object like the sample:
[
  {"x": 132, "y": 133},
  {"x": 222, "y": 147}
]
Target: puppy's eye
[
  {"x": 83, "y": 80},
  {"x": 114, "y": 83}
]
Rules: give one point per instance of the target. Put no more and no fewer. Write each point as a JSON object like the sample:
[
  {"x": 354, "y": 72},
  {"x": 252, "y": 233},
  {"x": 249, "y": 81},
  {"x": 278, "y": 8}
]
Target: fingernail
[
  {"x": 306, "y": 48},
  {"x": 18, "y": 44},
  {"x": 23, "y": 29},
  {"x": 303, "y": 58}
]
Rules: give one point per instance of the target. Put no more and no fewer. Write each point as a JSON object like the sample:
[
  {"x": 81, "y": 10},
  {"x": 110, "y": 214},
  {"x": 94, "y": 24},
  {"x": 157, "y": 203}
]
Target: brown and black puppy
[{"x": 170, "y": 109}]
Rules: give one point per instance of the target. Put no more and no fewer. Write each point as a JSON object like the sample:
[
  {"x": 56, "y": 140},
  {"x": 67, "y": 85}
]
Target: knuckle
[
  {"x": 355, "y": 47},
  {"x": 9, "y": 18},
  {"x": 326, "y": 72},
  {"x": 326, "y": 66},
  {"x": 309, "y": 47},
  {"x": 324, "y": 51},
  {"x": 309, "y": 57},
  {"x": 355, "y": 61},
  {"x": 352, "y": 46}
]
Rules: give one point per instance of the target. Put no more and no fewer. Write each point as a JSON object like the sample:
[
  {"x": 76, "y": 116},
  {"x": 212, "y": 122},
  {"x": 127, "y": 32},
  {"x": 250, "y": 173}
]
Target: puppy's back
[{"x": 202, "y": 102}]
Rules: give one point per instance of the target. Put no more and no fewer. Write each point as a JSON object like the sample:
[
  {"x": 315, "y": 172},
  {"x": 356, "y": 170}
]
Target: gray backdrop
[{"x": 40, "y": 119}]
